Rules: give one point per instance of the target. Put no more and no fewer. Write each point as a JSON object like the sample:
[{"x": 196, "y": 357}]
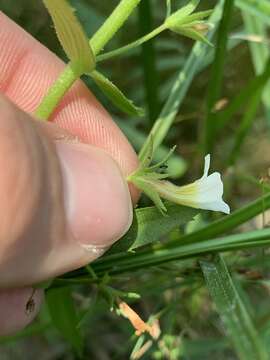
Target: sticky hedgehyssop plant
[
  {"x": 205, "y": 193},
  {"x": 172, "y": 229}
]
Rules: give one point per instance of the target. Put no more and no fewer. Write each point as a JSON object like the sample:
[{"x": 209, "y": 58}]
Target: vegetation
[{"x": 198, "y": 279}]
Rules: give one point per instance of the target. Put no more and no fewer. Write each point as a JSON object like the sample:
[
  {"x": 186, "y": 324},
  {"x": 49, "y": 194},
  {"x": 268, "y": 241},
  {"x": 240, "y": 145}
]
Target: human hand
[{"x": 62, "y": 202}]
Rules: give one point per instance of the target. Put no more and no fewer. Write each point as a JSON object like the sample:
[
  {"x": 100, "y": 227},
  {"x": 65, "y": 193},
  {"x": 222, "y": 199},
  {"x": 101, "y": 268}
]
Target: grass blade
[
  {"x": 244, "y": 96},
  {"x": 248, "y": 116},
  {"x": 216, "y": 78},
  {"x": 259, "y": 8},
  {"x": 64, "y": 316},
  {"x": 238, "y": 323},
  {"x": 259, "y": 52},
  {"x": 245, "y": 125}
]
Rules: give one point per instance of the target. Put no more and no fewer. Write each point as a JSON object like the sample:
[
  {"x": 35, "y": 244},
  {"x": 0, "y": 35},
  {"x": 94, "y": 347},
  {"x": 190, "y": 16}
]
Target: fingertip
[{"x": 96, "y": 196}]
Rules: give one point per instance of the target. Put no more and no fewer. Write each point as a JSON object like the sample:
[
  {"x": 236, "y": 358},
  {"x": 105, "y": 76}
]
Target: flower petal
[
  {"x": 205, "y": 193},
  {"x": 206, "y": 165}
]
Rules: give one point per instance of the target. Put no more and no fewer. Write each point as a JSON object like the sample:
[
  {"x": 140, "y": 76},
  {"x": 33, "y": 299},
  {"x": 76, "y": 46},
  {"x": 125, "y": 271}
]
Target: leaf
[
  {"x": 64, "y": 316},
  {"x": 115, "y": 95},
  {"x": 259, "y": 8},
  {"x": 233, "y": 313},
  {"x": 71, "y": 35},
  {"x": 149, "y": 226},
  {"x": 259, "y": 52}
]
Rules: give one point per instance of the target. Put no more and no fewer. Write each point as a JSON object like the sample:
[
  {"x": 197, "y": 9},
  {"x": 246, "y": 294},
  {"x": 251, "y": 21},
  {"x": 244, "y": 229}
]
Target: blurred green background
[{"x": 190, "y": 327}]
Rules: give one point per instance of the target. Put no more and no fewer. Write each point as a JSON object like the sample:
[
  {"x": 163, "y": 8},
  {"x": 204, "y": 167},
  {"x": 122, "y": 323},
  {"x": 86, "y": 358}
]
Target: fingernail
[{"x": 96, "y": 196}]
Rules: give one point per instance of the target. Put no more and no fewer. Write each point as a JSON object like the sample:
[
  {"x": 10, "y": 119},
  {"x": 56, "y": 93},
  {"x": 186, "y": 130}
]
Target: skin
[{"x": 63, "y": 195}]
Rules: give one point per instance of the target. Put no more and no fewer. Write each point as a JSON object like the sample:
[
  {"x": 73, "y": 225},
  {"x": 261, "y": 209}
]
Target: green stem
[
  {"x": 70, "y": 73},
  {"x": 148, "y": 60},
  {"x": 132, "y": 45},
  {"x": 56, "y": 92},
  {"x": 112, "y": 24},
  {"x": 170, "y": 109}
]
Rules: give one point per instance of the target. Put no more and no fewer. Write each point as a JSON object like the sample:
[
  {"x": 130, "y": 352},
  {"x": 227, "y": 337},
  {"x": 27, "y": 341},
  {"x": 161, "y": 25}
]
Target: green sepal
[
  {"x": 115, "y": 95},
  {"x": 140, "y": 183},
  {"x": 182, "y": 13},
  {"x": 146, "y": 174},
  {"x": 192, "y": 34}
]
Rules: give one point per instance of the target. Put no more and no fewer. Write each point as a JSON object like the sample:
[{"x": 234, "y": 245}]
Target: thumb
[{"x": 62, "y": 203}]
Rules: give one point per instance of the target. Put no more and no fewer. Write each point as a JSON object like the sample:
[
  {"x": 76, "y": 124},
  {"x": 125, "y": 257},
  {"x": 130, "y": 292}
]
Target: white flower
[{"x": 205, "y": 193}]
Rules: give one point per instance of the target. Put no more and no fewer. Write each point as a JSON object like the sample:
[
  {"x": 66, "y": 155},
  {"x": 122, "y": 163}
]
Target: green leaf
[
  {"x": 64, "y": 316},
  {"x": 259, "y": 52},
  {"x": 71, "y": 35},
  {"x": 249, "y": 114},
  {"x": 258, "y": 8},
  {"x": 149, "y": 226},
  {"x": 243, "y": 97},
  {"x": 233, "y": 313},
  {"x": 115, "y": 95}
]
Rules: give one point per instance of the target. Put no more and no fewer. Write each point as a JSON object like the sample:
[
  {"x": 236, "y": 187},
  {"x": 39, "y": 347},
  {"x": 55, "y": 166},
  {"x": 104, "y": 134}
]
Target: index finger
[{"x": 28, "y": 69}]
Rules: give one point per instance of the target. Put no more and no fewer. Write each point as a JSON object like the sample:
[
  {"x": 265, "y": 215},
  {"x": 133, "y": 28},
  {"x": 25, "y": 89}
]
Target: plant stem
[
  {"x": 132, "y": 45},
  {"x": 194, "y": 62},
  {"x": 148, "y": 60},
  {"x": 112, "y": 24},
  {"x": 56, "y": 92},
  {"x": 70, "y": 74}
]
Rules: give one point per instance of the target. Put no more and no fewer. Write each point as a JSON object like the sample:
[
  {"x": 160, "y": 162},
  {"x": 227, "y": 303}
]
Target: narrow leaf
[
  {"x": 71, "y": 35},
  {"x": 64, "y": 316},
  {"x": 259, "y": 8},
  {"x": 234, "y": 315},
  {"x": 259, "y": 52},
  {"x": 149, "y": 226},
  {"x": 115, "y": 95}
]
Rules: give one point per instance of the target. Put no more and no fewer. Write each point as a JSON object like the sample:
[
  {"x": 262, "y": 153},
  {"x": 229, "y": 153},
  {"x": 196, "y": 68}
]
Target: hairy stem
[
  {"x": 70, "y": 73},
  {"x": 112, "y": 24},
  {"x": 56, "y": 92},
  {"x": 132, "y": 45}
]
